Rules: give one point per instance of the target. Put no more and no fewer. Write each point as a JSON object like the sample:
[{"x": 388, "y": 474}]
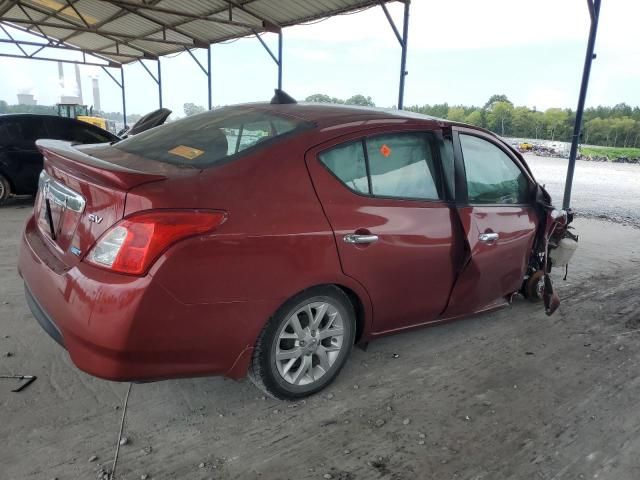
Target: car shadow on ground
[{"x": 19, "y": 201}]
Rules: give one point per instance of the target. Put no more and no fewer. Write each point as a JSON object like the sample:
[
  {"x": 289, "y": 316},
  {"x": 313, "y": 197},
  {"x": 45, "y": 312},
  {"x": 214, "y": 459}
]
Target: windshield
[{"x": 211, "y": 137}]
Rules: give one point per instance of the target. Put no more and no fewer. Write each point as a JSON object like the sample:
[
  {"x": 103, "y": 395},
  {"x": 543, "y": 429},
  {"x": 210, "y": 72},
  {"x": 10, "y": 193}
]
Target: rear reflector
[{"x": 132, "y": 245}]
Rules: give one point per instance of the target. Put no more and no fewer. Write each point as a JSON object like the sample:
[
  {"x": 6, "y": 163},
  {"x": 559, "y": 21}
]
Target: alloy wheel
[{"x": 309, "y": 342}]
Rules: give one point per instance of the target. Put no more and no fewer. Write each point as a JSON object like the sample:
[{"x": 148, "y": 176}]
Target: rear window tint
[
  {"x": 211, "y": 137},
  {"x": 347, "y": 162}
]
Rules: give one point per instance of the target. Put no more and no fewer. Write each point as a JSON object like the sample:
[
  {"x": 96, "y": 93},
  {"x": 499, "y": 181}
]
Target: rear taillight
[{"x": 133, "y": 244}]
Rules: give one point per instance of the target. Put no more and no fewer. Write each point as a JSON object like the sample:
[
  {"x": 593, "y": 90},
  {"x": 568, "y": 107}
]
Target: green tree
[
  {"x": 626, "y": 125},
  {"x": 192, "y": 109},
  {"x": 456, "y": 114},
  {"x": 360, "y": 100},
  {"x": 522, "y": 122},
  {"x": 500, "y": 116},
  {"x": 537, "y": 120},
  {"x": 495, "y": 99},
  {"x": 597, "y": 131},
  {"x": 474, "y": 118},
  {"x": 318, "y": 98},
  {"x": 555, "y": 119}
]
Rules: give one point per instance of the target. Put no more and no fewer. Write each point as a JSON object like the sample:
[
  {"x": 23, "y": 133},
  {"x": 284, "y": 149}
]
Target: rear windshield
[{"x": 211, "y": 137}]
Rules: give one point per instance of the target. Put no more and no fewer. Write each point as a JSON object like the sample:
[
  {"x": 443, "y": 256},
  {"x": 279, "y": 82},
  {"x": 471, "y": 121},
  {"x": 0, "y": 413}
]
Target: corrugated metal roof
[{"x": 123, "y": 31}]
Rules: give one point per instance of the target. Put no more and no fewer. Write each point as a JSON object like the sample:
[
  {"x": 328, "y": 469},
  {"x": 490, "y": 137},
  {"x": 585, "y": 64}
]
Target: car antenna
[{"x": 282, "y": 97}]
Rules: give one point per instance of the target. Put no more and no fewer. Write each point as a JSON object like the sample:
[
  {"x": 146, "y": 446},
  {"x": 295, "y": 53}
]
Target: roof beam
[
  {"x": 178, "y": 13},
  {"x": 12, "y": 40},
  {"x": 49, "y": 14},
  {"x": 8, "y": 6},
  {"x": 80, "y": 16},
  {"x": 104, "y": 33},
  {"x": 267, "y": 22},
  {"x": 56, "y": 15},
  {"x": 70, "y": 48},
  {"x": 28, "y": 15},
  {"x": 136, "y": 11},
  {"x": 99, "y": 53},
  {"x": 111, "y": 63},
  {"x": 120, "y": 13},
  {"x": 209, "y": 13}
]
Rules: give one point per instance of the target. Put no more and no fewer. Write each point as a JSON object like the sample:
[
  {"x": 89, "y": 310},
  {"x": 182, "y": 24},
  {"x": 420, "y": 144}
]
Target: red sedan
[{"x": 268, "y": 239}]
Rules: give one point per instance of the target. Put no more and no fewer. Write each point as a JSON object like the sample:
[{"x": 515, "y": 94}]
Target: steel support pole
[
  {"x": 209, "y": 77},
  {"x": 280, "y": 60},
  {"x": 594, "y": 10},
  {"x": 159, "y": 83},
  {"x": 124, "y": 101},
  {"x": 403, "y": 58}
]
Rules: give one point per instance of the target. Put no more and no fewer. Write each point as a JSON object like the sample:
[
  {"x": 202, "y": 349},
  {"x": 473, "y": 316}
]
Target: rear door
[
  {"x": 383, "y": 195},
  {"x": 495, "y": 206}
]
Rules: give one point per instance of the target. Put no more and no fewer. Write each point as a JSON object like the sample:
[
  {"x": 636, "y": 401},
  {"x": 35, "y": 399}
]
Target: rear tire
[
  {"x": 305, "y": 344},
  {"x": 5, "y": 189}
]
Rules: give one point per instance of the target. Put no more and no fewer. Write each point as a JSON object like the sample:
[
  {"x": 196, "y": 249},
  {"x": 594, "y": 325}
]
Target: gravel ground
[
  {"x": 508, "y": 395},
  {"x": 600, "y": 190}
]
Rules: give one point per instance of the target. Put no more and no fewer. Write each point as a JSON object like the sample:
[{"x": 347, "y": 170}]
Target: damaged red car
[{"x": 267, "y": 239}]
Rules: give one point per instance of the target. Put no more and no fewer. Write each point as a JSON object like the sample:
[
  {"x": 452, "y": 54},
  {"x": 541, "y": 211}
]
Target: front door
[
  {"x": 495, "y": 207},
  {"x": 384, "y": 198}
]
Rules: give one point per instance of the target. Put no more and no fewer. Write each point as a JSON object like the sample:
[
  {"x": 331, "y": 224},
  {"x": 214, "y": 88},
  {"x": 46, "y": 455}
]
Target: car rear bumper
[
  {"x": 126, "y": 328},
  {"x": 41, "y": 316}
]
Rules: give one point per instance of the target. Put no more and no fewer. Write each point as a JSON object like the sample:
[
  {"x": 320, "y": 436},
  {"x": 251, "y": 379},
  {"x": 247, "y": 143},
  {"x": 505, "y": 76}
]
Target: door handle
[
  {"x": 359, "y": 239},
  {"x": 488, "y": 237}
]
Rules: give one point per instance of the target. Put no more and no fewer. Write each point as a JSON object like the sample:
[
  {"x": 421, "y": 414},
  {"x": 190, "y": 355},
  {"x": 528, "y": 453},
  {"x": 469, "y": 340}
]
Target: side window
[
  {"x": 347, "y": 162},
  {"x": 399, "y": 165},
  {"x": 402, "y": 165},
  {"x": 492, "y": 176},
  {"x": 249, "y": 134}
]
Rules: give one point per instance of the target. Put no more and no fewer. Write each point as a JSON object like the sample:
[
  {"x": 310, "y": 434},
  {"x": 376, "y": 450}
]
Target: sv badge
[{"x": 94, "y": 218}]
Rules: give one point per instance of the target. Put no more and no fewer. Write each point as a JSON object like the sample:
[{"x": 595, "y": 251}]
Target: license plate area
[{"x": 59, "y": 209}]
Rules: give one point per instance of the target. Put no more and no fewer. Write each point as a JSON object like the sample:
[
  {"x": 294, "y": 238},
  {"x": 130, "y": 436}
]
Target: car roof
[
  {"x": 322, "y": 112},
  {"x": 330, "y": 114}
]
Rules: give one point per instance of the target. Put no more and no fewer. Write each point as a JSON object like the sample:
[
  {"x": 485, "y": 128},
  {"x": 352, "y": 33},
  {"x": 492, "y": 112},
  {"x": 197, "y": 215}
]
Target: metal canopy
[
  {"x": 123, "y": 31},
  {"x": 112, "y": 33}
]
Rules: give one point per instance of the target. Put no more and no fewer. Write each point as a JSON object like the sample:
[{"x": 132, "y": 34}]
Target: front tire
[
  {"x": 305, "y": 344},
  {"x": 534, "y": 286}
]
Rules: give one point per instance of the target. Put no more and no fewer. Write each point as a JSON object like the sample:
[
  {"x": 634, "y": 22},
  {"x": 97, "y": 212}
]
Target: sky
[{"x": 460, "y": 52}]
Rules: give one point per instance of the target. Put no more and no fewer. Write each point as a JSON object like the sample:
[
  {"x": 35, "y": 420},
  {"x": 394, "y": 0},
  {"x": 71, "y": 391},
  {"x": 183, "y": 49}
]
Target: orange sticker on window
[
  {"x": 186, "y": 152},
  {"x": 385, "y": 150}
]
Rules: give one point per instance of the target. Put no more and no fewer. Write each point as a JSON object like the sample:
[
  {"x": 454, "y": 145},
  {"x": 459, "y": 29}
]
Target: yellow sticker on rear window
[{"x": 186, "y": 152}]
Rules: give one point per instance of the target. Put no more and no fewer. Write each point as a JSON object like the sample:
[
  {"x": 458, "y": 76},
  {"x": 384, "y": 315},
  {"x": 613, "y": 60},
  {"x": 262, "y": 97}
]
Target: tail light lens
[{"x": 132, "y": 245}]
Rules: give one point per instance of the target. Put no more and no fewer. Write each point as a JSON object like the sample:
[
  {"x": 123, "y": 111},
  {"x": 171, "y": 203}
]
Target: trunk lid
[{"x": 82, "y": 192}]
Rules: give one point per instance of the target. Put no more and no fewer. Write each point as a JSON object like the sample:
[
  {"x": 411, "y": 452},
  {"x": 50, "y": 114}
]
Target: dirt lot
[{"x": 508, "y": 395}]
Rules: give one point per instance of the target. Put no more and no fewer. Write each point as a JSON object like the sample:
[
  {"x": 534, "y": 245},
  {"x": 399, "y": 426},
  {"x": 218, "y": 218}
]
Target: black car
[{"x": 20, "y": 160}]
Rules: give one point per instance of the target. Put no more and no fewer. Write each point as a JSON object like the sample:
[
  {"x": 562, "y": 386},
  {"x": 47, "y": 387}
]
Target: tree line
[{"x": 617, "y": 126}]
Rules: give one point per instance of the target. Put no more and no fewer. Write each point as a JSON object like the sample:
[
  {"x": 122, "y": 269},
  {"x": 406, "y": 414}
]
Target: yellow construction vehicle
[{"x": 84, "y": 114}]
